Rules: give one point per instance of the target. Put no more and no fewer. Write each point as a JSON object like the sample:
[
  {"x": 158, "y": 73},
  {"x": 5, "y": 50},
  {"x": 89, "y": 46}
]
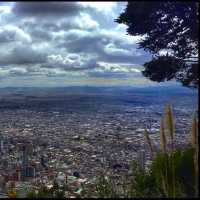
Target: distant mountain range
[
  {"x": 87, "y": 97},
  {"x": 174, "y": 88}
]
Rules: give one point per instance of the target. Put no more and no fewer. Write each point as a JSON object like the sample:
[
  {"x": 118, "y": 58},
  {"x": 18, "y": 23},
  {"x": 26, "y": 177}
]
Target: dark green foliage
[
  {"x": 179, "y": 166},
  {"x": 105, "y": 188},
  {"x": 158, "y": 180},
  {"x": 166, "y": 26},
  {"x": 31, "y": 195},
  {"x": 163, "y": 68},
  {"x": 142, "y": 183},
  {"x": 190, "y": 77}
]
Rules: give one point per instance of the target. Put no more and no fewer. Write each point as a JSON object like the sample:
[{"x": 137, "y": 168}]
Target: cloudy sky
[{"x": 67, "y": 43}]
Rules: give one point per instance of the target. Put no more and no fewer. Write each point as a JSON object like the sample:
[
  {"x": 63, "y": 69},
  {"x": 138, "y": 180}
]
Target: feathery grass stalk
[
  {"x": 164, "y": 184},
  {"x": 171, "y": 129},
  {"x": 149, "y": 142},
  {"x": 163, "y": 141},
  {"x": 170, "y": 121}
]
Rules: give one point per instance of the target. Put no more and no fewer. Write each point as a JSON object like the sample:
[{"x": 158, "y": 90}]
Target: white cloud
[
  {"x": 104, "y": 7},
  {"x": 121, "y": 36},
  {"x": 59, "y": 60},
  {"x": 116, "y": 51},
  {"x": 5, "y": 9},
  {"x": 67, "y": 46},
  {"x": 118, "y": 67},
  {"x": 86, "y": 22},
  {"x": 3, "y": 72},
  {"x": 11, "y": 33},
  {"x": 70, "y": 62}
]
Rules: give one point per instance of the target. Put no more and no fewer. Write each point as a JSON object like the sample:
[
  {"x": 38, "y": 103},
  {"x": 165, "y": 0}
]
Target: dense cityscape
[
  {"x": 40, "y": 144},
  {"x": 99, "y": 99}
]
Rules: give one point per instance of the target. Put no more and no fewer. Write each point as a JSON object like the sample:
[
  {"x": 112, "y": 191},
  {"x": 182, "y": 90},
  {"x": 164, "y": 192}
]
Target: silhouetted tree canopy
[{"x": 168, "y": 30}]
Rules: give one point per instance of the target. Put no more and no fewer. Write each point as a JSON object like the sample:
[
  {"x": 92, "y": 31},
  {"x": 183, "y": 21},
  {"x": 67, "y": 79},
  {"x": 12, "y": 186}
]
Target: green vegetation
[{"x": 169, "y": 31}]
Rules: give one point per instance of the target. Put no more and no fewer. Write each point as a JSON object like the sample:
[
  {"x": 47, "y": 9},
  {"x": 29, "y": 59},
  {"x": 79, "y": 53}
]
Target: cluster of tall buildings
[
  {"x": 19, "y": 167},
  {"x": 1, "y": 144}
]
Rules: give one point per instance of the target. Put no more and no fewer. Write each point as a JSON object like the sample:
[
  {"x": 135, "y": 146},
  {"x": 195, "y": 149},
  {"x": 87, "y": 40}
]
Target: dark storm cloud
[
  {"x": 11, "y": 33},
  {"x": 77, "y": 44},
  {"x": 46, "y": 8},
  {"x": 40, "y": 34},
  {"x": 17, "y": 72},
  {"x": 57, "y": 39},
  {"x": 7, "y": 37},
  {"x": 51, "y": 26},
  {"x": 95, "y": 43},
  {"x": 22, "y": 55}
]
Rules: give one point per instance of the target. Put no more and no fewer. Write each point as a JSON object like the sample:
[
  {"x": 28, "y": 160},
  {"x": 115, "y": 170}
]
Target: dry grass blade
[
  {"x": 164, "y": 185},
  {"x": 149, "y": 142},
  {"x": 163, "y": 141},
  {"x": 170, "y": 121}
]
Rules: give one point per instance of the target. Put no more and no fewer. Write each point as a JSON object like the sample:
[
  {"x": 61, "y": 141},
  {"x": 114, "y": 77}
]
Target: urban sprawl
[{"x": 40, "y": 147}]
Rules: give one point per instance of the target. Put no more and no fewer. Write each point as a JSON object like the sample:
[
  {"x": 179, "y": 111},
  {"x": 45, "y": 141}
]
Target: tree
[{"x": 169, "y": 31}]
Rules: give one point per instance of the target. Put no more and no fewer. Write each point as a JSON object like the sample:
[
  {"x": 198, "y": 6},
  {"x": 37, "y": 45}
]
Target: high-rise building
[
  {"x": 24, "y": 160},
  {"x": 18, "y": 173},
  {"x": 1, "y": 144},
  {"x": 30, "y": 171},
  {"x": 42, "y": 161},
  {"x": 25, "y": 155}
]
